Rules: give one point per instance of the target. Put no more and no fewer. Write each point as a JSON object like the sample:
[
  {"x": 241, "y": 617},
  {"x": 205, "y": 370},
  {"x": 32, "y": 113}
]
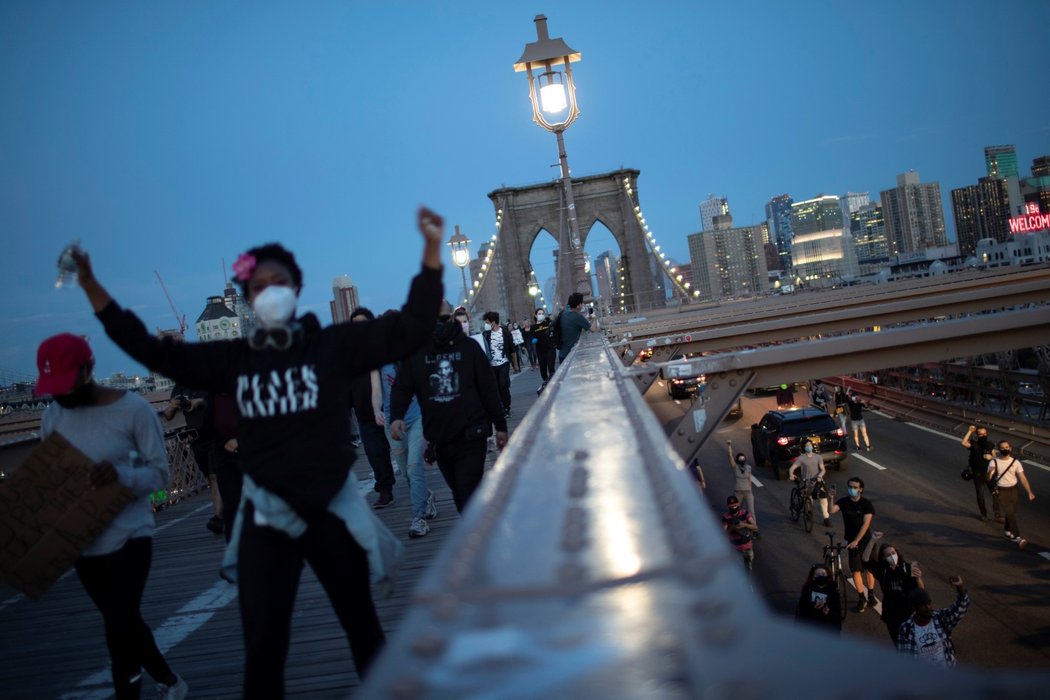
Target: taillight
[
  {"x": 783, "y": 441},
  {"x": 840, "y": 432}
]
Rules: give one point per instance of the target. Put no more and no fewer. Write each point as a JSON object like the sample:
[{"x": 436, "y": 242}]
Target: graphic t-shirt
[
  {"x": 498, "y": 356},
  {"x": 930, "y": 644}
]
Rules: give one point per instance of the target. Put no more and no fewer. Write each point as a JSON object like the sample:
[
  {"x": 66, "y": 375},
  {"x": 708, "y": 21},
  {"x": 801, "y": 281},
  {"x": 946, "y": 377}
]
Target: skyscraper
[
  {"x": 728, "y": 262},
  {"x": 982, "y": 211},
  {"x": 710, "y": 208},
  {"x": 868, "y": 228},
  {"x": 778, "y": 218},
  {"x": 1000, "y": 161},
  {"x": 345, "y": 299},
  {"x": 914, "y": 215},
  {"x": 822, "y": 251},
  {"x": 850, "y": 203}
]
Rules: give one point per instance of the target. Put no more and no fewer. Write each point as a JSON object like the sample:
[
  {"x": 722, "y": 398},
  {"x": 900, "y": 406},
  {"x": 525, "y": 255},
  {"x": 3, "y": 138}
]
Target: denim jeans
[
  {"x": 377, "y": 449},
  {"x": 407, "y": 454}
]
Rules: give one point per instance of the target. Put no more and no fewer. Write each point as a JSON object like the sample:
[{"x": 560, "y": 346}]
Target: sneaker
[
  {"x": 1010, "y": 536},
  {"x": 862, "y": 605},
  {"x": 869, "y": 448},
  {"x": 215, "y": 524},
  {"x": 540, "y": 390},
  {"x": 431, "y": 510},
  {"x": 173, "y": 692},
  {"x": 418, "y": 528},
  {"x": 1022, "y": 542},
  {"x": 871, "y": 598},
  {"x": 386, "y": 498},
  {"x": 356, "y": 442}
]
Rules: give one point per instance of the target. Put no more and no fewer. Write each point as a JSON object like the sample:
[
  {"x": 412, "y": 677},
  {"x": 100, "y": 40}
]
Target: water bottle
[{"x": 67, "y": 266}]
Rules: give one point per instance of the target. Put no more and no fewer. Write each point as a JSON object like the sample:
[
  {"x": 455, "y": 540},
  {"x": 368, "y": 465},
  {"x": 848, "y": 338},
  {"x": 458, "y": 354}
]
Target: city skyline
[{"x": 172, "y": 137}]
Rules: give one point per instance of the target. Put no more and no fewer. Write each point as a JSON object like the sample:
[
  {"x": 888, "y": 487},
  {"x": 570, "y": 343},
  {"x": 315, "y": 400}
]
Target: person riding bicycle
[
  {"x": 740, "y": 525},
  {"x": 820, "y": 602},
  {"x": 809, "y": 467}
]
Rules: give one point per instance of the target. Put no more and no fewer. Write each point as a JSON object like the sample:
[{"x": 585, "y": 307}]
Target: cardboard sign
[{"x": 49, "y": 513}]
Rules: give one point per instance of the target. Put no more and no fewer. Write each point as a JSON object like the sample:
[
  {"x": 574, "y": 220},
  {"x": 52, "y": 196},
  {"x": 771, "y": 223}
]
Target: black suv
[{"x": 777, "y": 439}]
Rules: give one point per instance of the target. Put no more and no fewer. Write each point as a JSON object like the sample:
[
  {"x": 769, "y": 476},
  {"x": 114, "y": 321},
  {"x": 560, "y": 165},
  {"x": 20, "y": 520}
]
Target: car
[
  {"x": 683, "y": 387},
  {"x": 776, "y": 440}
]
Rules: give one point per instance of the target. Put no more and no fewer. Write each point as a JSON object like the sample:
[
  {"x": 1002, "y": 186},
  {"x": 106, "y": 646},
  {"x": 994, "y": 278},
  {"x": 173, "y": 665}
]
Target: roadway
[{"x": 924, "y": 509}]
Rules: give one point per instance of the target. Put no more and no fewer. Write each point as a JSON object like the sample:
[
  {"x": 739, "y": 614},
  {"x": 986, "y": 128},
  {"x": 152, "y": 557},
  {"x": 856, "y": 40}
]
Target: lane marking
[
  {"x": 1045, "y": 555},
  {"x": 868, "y": 461},
  {"x": 178, "y": 520},
  {"x": 756, "y": 482},
  {"x": 187, "y": 620}
]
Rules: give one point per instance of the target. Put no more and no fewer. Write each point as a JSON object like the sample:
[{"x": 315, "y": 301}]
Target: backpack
[{"x": 555, "y": 332}]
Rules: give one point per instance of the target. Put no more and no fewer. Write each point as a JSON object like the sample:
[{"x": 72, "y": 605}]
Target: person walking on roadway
[
  {"x": 1004, "y": 473},
  {"x": 980, "y": 447},
  {"x": 742, "y": 475},
  {"x": 857, "y": 514},
  {"x": 811, "y": 466},
  {"x": 855, "y": 406},
  {"x": 927, "y": 634}
]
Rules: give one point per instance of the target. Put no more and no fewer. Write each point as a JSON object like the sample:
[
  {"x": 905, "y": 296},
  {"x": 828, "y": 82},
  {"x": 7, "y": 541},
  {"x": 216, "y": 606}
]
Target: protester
[
  {"x": 785, "y": 397},
  {"x": 897, "y": 579},
  {"x": 499, "y": 345},
  {"x": 1004, "y": 473},
  {"x": 545, "y": 350},
  {"x": 196, "y": 412},
  {"x": 407, "y": 452},
  {"x": 519, "y": 345},
  {"x": 530, "y": 349},
  {"x": 572, "y": 325},
  {"x": 927, "y": 634},
  {"x": 742, "y": 481},
  {"x": 697, "y": 472},
  {"x": 366, "y": 395},
  {"x": 740, "y": 524},
  {"x": 855, "y": 407},
  {"x": 840, "y": 407},
  {"x": 458, "y": 397},
  {"x": 857, "y": 514},
  {"x": 121, "y": 433},
  {"x": 291, "y": 379},
  {"x": 820, "y": 603},
  {"x": 980, "y": 447}
]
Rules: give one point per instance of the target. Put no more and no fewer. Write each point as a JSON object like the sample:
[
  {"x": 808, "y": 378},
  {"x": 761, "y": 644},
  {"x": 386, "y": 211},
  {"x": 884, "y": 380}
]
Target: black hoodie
[
  {"x": 454, "y": 383},
  {"x": 293, "y": 405}
]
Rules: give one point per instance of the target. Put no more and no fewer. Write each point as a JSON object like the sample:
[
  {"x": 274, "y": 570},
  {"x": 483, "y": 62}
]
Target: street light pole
[
  {"x": 553, "y": 97},
  {"x": 460, "y": 246}
]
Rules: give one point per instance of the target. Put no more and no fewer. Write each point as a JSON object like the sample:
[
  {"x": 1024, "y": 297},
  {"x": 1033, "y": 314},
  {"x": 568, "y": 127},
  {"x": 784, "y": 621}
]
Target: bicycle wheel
[
  {"x": 807, "y": 514},
  {"x": 796, "y": 505}
]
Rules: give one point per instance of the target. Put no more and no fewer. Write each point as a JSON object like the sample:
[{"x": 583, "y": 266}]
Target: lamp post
[
  {"x": 460, "y": 246},
  {"x": 553, "y": 97}
]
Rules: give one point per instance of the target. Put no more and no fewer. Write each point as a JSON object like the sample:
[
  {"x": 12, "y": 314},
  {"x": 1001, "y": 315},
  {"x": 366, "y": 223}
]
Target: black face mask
[
  {"x": 733, "y": 509},
  {"x": 81, "y": 396},
  {"x": 1005, "y": 452},
  {"x": 820, "y": 581}
]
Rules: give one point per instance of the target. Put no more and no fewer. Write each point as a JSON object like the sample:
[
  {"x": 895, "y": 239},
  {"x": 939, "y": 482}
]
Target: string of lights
[{"x": 670, "y": 270}]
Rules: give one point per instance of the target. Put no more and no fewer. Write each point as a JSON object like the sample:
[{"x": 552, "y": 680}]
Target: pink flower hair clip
[{"x": 243, "y": 267}]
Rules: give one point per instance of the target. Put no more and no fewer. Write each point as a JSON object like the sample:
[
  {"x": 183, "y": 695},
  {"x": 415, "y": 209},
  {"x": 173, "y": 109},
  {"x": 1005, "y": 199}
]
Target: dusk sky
[{"x": 168, "y": 136}]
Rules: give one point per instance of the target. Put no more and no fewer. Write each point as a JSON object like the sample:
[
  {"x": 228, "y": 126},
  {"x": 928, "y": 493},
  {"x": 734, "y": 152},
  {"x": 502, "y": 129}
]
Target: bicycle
[
  {"x": 802, "y": 503},
  {"x": 833, "y": 563}
]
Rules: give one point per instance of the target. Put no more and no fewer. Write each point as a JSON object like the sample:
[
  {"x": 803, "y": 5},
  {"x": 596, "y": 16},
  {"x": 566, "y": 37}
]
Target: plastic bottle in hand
[{"x": 67, "y": 267}]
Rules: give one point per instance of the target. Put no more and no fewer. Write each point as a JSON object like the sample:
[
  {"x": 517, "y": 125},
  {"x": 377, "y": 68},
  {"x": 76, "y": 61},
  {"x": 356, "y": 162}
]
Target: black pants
[
  {"x": 462, "y": 463},
  {"x": 1008, "y": 497},
  {"x": 228, "y": 476},
  {"x": 545, "y": 358},
  {"x": 503, "y": 382},
  {"x": 980, "y": 485},
  {"x": 377, "y": 449},
  {"x": 115, "y": 583},
  {"x": 269, "y": 566}
]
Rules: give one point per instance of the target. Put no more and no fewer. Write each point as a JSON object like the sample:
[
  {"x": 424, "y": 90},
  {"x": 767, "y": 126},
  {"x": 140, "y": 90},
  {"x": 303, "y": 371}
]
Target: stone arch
[{"x": 528, "y": 210}]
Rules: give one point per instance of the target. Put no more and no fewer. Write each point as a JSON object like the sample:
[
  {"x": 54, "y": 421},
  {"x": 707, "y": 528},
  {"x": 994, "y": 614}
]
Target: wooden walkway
[{"x": 55, "y": 648}]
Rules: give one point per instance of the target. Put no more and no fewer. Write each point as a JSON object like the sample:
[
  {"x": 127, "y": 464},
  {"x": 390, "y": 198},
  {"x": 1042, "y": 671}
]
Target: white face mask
[
  {"x": 274, "y": 305},
  {"x": 540, "y": 317},
  {"x": 466, "y": 327},
  {"x": 891, "y": 560}
]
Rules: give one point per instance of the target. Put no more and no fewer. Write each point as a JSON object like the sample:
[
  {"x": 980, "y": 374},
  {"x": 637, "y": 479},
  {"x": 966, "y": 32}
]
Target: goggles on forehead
[{"x": 278, "y": 337}]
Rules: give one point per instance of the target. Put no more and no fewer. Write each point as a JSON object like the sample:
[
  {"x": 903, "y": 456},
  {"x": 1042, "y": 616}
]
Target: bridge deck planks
[{"x": 48, "y": 647}]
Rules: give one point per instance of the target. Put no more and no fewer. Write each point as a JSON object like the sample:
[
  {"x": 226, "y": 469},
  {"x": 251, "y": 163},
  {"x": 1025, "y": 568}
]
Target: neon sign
[{"x": 1031, "y": 220}]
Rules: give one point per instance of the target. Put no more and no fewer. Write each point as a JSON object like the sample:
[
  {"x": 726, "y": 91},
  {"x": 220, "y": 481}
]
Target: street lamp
[
  {"x": 460, "y": 246},
  {"x": 553, "y": 97}
]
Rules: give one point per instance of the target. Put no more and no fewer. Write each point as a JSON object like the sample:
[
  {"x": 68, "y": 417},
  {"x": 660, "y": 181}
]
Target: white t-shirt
[
  {"x": 742, "y": 472},
  {"x": 930, "y": 644},
  {"x": 1009, "y": 473},
  {"x": 498, "y": 356}
]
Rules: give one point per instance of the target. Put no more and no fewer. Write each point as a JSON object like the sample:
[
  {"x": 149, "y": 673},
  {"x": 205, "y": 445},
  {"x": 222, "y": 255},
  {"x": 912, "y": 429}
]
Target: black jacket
[
  {"x": 293, "y": 432},
  {"x": 455, "y": 386}
]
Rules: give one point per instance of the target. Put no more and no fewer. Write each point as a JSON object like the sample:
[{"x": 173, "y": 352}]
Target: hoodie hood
[{"x": 446, "y": 332}]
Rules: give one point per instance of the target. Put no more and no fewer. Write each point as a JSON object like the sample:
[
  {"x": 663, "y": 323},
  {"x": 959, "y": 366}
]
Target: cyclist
[
  {"x": 811, "y": 466},
  {"x": 740, "y": 525},
  {"x": 819, "y": 603}
]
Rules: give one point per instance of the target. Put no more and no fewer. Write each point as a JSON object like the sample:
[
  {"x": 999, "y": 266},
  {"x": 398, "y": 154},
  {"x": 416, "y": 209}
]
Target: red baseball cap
[{"x": 59, "y": 360}]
